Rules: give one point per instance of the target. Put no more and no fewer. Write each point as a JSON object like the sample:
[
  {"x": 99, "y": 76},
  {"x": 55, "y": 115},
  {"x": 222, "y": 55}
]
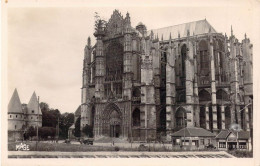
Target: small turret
[
  {"x": 127, "y": 25},
  {"x": 87, "y": 53},
  {"x": 34, "y": 115},
  {"x": 15, "y": 114},
  {"x": 15, "y": 105},
  {"x": 33, "y": 105},
  {"x": 89, "y": 42},
  {"x": 141, "y": 28},
  {"x": 162, "y": 37}
]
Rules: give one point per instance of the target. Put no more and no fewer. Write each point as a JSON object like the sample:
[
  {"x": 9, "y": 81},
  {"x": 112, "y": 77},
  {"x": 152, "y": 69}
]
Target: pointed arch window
[
  {"x": 204, "y": 58},
  {"x": 183, "y": 67},
  {"x": 181, "y": 118}
]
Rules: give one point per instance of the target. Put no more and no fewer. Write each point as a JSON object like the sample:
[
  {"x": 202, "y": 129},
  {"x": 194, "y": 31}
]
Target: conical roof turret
[
  {"x": 15, "y": 105},
  {"x": 33, "y": 105}
]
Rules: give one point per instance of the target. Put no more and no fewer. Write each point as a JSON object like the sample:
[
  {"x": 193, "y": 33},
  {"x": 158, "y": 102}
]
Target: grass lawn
[
  {"x": 241, "y": 154},
  {"x": 62, "y": 147}
]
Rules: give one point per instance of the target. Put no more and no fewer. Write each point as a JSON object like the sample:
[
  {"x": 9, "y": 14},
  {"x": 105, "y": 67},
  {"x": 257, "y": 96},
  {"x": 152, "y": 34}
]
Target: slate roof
[
  {"x": 15, "y": 105},
  {"x": 196, "y": 28},
  {"x": 193, "y": 132},
  {"x": 241, "y": 134},
  {"x": 33, "y": 105},
  {"x": 78, "y": 111}
]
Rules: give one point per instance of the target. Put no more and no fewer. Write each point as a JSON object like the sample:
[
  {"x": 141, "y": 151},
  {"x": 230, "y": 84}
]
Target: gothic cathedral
[{"x": 138, "y": 84}]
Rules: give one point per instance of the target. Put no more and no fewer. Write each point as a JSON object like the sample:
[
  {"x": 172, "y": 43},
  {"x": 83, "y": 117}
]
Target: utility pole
[
  {"x": 184, "y": 128},
  {"x": 37, "y": 126},
  {"x": 58, "y": 128}
]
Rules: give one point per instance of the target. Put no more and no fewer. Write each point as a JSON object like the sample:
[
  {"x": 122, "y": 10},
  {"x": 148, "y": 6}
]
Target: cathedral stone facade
[
  {"x": 22, "y": 116},
  {"x": 138, "y": 84}
]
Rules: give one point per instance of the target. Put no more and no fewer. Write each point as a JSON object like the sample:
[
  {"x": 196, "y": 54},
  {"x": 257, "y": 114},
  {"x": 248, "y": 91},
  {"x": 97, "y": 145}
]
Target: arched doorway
[
  {"x": 92, "y": 121},
  {"x": 162, "y": 122},
  {"x": 136, "y": 117},
  {"x": 92, "y": 116},
  {"x": 204, "y": 99},
  {"x": 112, "y": 121},
  {"x": 181, "y": 118},
  {"x": 136, "y": 124}
]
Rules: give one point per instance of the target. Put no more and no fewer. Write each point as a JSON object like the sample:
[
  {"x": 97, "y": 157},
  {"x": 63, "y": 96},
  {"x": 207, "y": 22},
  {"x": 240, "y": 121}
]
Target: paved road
[{"x": 35, "y": 154}]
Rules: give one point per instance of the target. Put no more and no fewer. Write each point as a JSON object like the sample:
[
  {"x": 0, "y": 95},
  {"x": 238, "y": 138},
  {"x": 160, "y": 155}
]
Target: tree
[
  {"x": 44, "y": 106},
  {"x": 44, "y": 132},
  {"x": 77, "y": 127},
  {"x": 88, "y": 130},
  {"x": 66, "y": 120},
  {"x": 99, "y": 23},
  {"x": 50, "y": 117},
  {"x": 31, "y": 132}
]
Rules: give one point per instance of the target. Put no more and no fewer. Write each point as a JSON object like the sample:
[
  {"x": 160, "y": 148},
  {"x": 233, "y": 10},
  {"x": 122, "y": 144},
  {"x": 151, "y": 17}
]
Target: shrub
[
  {"x": 142, "y": 147},
  {"x": 241, "y": 154},
  {"x": 117, "y": 148}
]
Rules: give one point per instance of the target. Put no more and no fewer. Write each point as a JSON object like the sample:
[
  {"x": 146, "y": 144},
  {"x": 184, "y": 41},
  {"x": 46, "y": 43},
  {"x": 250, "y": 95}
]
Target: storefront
[
  {"x": 230, "y": 140},
  {"x": 192, "y": 138}
]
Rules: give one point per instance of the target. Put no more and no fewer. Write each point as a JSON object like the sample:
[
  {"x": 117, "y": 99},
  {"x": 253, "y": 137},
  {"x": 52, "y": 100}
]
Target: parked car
[
  {"x": 88, "y": 141},
  {"x": 210, "y": 146},
  {"x": 67, "y": 141}
]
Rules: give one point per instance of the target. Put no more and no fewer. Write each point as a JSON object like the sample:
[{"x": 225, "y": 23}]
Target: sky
[{"x": 46, "y": 44}]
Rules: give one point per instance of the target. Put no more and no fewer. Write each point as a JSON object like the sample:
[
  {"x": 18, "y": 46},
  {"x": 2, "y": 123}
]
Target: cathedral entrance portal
[
  {"x": 114, "y": 131},
  {"x": 113, "y": 120}
]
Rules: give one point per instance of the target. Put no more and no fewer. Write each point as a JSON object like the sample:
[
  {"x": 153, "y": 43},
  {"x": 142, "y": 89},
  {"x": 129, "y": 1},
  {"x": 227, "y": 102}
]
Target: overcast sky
[{"x": 45, "y": 45}]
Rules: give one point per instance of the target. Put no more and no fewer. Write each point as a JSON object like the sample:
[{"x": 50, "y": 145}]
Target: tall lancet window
[
  {"x": 183, "y": 68},
  {"x": 204, "y": 63}
]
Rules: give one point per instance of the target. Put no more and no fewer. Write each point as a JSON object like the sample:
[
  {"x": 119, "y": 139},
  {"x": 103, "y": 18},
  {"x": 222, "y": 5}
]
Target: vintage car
[{"x": 88, "y": 141}]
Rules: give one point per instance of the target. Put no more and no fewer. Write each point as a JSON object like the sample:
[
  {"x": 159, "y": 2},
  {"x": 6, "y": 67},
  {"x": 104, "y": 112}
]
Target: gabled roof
[
  {"x": 33, "y": 105},
  {"x": 15, "y": 105},
  {"x": 196, "y": 28},
  {"x": 193, "y": 132},
  {"x": 241, "y": 134},
  {"x": 78, "y": 111}
]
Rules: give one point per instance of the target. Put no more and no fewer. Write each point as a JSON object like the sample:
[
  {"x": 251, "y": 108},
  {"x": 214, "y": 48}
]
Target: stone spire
[
  {"x": 188, "y": 33},
  {"x": 89, "y": 41},
  {"x": 152, "y": 35},
  {"x": 15, "y": 105},
  {"x": 231, "y": 31},
  {"x": 33, "y": 105}
]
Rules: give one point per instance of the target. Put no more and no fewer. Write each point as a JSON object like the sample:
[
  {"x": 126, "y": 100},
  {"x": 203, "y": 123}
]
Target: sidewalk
[{"x": 120, "y": 154}]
